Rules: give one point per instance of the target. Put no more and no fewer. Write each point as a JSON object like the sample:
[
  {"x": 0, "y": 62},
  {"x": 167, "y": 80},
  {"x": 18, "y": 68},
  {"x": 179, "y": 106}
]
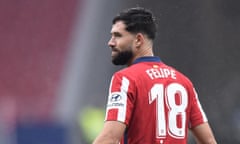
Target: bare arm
[
  {"x": 203, "y": 134},
  {"x": 111, "y": 133}
]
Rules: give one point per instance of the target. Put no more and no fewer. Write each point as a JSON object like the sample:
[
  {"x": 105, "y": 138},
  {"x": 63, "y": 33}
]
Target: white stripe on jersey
[
  {"x": 118, "y": 99},
  {"x": 200, "y": 107},
  {"x": 123, "y": 110}
]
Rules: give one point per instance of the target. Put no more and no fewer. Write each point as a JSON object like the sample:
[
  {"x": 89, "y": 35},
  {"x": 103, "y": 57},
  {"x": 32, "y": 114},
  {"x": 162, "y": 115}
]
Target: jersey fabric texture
[{"x": 156, "y": 102}]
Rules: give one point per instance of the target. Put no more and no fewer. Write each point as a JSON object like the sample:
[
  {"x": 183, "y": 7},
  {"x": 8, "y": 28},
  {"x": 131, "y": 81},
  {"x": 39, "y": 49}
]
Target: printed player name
[{"x": 154, "y": 73}]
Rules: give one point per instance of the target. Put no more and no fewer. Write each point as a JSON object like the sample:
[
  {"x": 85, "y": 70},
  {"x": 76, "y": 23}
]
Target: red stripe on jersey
[{"x": 112, "y": 114}]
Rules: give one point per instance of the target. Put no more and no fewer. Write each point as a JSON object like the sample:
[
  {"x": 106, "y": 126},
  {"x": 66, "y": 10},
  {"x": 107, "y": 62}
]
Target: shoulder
[{"x": 132, "y": 71}]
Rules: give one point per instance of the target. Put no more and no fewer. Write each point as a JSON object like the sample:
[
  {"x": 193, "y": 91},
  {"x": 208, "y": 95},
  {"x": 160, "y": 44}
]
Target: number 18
[{"x": 172, "y": 119}]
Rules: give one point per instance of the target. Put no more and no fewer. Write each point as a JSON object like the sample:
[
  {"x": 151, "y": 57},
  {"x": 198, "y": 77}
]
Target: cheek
[{"x": 125, "y": 45}]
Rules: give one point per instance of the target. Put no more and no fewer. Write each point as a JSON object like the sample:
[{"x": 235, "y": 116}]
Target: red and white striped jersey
[{"x": 156, "y": 102}]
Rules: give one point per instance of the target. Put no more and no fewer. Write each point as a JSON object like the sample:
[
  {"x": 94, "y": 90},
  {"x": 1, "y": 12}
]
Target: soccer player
[{"x": 149, "y": 102}]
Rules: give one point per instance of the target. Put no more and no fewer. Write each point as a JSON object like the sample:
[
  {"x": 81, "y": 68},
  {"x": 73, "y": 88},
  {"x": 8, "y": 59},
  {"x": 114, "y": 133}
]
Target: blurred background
[{"x": 56, "y": 68}]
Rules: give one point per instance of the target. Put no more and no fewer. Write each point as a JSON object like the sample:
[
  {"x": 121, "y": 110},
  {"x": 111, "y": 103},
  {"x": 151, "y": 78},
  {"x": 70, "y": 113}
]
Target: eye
[{"x": 116, "y": 34}]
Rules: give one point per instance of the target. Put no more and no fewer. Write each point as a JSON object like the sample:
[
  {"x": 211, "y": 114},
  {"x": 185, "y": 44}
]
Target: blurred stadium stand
[{"x": 43, "y": 133}]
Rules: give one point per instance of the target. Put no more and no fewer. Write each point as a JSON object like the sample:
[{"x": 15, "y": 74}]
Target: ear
[{"x": 139, "y": 40}]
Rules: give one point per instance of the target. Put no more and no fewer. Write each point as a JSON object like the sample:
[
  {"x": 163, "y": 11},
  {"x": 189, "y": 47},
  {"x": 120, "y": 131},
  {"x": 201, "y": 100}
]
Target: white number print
[{"x": 171, "y": 120}]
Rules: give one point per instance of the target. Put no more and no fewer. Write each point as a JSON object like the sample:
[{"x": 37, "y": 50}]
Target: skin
[
  {"x": 203, "y": 134},
  {"x": 139, "y": 44},
  {"x": 123, "y": 40}
]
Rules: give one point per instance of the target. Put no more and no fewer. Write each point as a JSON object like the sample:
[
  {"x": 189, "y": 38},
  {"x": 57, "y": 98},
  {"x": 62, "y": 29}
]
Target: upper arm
[
  {"x": 203, "y": 134},
  {"x": 111, "y": 133}
]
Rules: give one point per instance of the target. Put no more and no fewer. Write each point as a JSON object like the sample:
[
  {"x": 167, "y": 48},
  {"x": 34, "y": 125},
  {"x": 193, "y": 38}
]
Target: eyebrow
[{"x": 116, "y": 33}]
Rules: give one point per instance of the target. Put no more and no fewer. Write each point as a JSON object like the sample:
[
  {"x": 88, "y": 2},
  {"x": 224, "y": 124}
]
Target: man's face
[{"x": 121, "y": 44}]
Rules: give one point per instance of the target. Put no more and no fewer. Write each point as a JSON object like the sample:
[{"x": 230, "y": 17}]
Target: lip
[
  {"x": 114, "y": 50},
  {"x": 114, "y": 53}
]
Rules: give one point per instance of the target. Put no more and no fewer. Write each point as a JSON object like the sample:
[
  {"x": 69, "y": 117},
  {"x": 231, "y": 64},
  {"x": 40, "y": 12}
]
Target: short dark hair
[{"x": 138, "y": 20}]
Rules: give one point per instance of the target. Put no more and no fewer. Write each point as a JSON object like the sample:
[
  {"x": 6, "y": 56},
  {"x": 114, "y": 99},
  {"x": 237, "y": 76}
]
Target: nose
[{"x": 111, "y": 42}]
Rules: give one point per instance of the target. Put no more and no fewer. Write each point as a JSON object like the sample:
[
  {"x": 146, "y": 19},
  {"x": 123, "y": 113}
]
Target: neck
[{"x": 144, "y": 52}]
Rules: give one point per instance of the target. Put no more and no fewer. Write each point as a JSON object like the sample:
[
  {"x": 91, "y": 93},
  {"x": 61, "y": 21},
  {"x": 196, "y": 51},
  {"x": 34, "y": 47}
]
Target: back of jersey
[{"x": 157, "y": 104}]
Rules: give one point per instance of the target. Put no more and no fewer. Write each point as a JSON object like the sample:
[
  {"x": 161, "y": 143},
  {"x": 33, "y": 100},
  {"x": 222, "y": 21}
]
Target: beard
[{"x": 122, "y": 58}]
